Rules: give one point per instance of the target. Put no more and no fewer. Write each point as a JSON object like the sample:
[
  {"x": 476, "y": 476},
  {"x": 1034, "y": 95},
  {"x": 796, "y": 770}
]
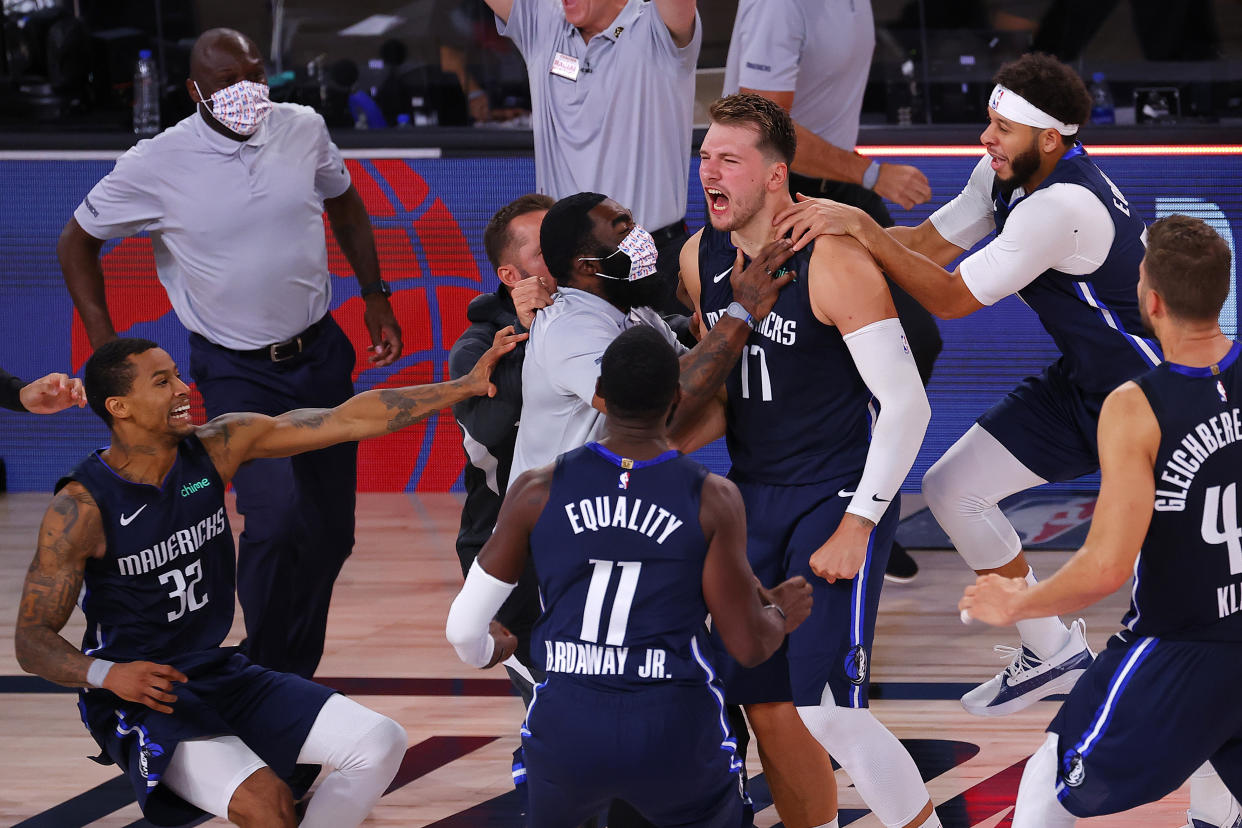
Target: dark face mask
[{"x": 648, "y": 292}]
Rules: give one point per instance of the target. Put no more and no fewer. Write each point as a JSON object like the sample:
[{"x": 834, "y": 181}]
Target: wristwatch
[
  {"x": 872, "y": 175},
  {"x": 381, "y": 287},
  {"x": 736, "y": 310}
]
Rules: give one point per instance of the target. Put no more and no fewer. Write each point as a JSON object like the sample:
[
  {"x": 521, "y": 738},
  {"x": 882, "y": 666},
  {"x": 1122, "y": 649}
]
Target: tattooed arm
[
  {"x": 704, "y": 368},
  {"x": 70, "y": 534},
  {"x": 232, "y": 439}
]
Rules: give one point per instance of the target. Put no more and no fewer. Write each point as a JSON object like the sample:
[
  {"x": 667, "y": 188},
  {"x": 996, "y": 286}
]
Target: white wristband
[{"x": 97, "y": 672}]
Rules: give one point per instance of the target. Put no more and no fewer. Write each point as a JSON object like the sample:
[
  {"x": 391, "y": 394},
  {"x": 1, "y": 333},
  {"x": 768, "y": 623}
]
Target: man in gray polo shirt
[
  {"x": 612, "y": 88},
  {"x": 233, "y": 197}
]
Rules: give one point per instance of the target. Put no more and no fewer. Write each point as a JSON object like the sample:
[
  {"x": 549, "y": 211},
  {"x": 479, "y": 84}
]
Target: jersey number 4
[
  {"x": 593, "y": 612},
  {"x": 1220, "y": 523},
  {"x": 183, "y": 589}
]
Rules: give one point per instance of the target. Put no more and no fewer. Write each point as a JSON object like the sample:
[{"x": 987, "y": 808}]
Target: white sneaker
[
  {"x": 1235, "y": 821},
  {"x": 1028, "y": 678}
]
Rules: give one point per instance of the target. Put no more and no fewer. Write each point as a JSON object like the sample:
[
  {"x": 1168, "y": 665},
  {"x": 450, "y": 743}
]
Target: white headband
[{"x": 1011, "y": 105}]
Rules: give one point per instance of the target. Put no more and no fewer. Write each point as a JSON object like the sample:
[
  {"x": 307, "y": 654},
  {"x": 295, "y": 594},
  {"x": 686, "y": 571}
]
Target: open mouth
[
  {"x": 717, "y": 201},
  {"x": 997, "y": 161},
  {"x": 181, "y": 414}
]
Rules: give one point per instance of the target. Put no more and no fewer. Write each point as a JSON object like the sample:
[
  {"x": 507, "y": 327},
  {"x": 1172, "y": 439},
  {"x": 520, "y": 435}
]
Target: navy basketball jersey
[
  {"x": 1188, "y": 579},
  {"x": 163, "y": 590},
  {"x": 619, "y": 553},
  {"x": 1092, "y": 318},
  {"x": 797, "y": 409}
]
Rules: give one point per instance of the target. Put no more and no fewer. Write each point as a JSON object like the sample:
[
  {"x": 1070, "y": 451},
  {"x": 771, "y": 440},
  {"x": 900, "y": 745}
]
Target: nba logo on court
[{"x": 623, "y": 482}]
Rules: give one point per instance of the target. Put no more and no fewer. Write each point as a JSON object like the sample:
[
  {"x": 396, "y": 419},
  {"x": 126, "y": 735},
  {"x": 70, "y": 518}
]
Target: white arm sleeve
[
  {"x": 884, "y": 362},
  {"x": 967, "y": 219},
  {"x": 1063, "y": 226},
  {"x": 472, "y": 612}
]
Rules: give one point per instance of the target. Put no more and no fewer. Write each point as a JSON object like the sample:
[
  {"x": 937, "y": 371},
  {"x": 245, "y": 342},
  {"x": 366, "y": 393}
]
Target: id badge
[{"x": 566, "y": 66}]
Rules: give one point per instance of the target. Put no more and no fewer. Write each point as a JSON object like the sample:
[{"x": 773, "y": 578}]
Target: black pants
[
  {"x": 920, "y": 326},
  {"x": 299, "y": 510}
]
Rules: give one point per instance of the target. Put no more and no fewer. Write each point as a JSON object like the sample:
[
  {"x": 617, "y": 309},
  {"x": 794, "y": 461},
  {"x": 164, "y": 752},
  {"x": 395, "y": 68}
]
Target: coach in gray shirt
[
  {"x": 233, "y": 198},
  {"x": 612, "y": 89}
]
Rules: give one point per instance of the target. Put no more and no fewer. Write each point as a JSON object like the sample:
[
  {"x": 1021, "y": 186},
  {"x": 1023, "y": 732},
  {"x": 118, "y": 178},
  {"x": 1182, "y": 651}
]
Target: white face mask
[
  {"x": 240, "y": 107},
  {"x": 634, "y": 259}
]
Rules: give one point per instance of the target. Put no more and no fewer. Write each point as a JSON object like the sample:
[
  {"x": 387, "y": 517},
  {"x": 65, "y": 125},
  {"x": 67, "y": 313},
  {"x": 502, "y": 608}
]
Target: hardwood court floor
[{"x": 386, "y": 646}]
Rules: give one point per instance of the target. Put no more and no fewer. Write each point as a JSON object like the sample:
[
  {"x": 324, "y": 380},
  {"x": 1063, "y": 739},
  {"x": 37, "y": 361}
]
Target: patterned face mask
[
  {"x": 241, "y": 107},
  {"x": 634, "y": 259}
]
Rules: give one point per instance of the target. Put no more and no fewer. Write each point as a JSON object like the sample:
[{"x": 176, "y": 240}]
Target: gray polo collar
[
  {"x": 223, "y": 144},
  {"x": 622, "y": 22},
  {"x": 597, "y": 304}
]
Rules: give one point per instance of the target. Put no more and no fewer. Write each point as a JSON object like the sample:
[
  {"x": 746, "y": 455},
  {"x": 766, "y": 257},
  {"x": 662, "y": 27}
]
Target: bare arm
[
  {"x": 1129, "y": 438},
  {"x": 926, "y": 240},
  {"x": 737, "y": 603},
  {"x": 71, "y": 533},
  {"x": 351, "y": 226},
  {"x": 78, "y": 252},
  {"x": 232, "y": 439},
  {"x": 678, "y": 16},
  {"x": 816, "y": 158}
]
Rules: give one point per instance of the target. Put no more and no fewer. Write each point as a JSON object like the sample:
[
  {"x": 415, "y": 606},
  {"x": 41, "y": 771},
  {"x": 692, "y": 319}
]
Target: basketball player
[
  {"x": 820, "y": 485},
  {"x": 140, "y": 530},
  {"x": 1069, "y": 245},
  {"x": 633, "y": 544},
  {"x": 1162, "y": 698}
]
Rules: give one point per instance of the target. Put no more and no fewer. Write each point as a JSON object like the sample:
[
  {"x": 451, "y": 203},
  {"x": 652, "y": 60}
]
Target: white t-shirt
[
  {"x": 236, "y": 226},
  {"x": 567, "y": 342},
  {"x": 1062, "y": 227},
  {"x": 820, "y": 51}
]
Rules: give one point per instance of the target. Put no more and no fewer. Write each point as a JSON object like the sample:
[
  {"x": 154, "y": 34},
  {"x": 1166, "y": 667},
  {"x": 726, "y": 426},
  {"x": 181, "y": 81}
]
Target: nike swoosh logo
[
  {"x": 126, "y": 520},
  {"x": 844, "y": 493},
  {"x": 879, "y": 499},
  {"x": 722, "y": 274}
]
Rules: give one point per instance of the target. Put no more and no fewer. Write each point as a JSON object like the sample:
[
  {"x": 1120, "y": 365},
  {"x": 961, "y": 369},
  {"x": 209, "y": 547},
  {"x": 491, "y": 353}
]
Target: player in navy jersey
[
  {"x": 1162, "y": 698},
  {"x": 1068, "y": 244},
  {"x": 633, "y": 545},
  {"x": 819, "y": 478},
  {"x": 139, "y": 530}
]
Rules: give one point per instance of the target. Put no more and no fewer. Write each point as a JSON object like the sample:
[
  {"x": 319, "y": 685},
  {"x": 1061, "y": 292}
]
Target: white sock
[
  {"x": 1043, "y": 635},
  {"x": 1038, "y": 806},
  {"x": 363, "y": 750},
  {"x": 1210, "y": 800}
]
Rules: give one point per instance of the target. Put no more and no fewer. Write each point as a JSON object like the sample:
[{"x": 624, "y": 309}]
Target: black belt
[
  {"x": 669, "y": 232},
  {"x": 288, "y": 349}
]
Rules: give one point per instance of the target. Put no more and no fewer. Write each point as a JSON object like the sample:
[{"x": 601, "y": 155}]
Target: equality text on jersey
[{"x": 618, "y": 511}]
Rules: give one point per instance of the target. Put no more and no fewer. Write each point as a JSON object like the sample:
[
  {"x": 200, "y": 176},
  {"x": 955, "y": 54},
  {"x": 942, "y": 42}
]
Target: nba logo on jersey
[
  {"x": 1220, "y": 389},
  {"x": 623, "y": 482},
  {"x": 996, "y": 98}
]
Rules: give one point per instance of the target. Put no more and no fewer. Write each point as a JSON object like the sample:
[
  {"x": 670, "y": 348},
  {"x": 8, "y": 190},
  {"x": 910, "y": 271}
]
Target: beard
[
  {"x": 743, "y": 210},
  {"x": 648, "y": 292},
  {"x": 1145, "y": 319},
  {"x": 1023, "y": 165}
]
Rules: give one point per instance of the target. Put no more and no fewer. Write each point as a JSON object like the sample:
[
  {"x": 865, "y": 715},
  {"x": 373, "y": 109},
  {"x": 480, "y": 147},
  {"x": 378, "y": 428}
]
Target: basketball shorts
[
  {"x": 832, "y": 647},
  {"x": 1146, "y": 714},
  {"x": 1049, "y": 424},
  {"x": 271, "y": 712},
  {"x": 667, "y": 751}
]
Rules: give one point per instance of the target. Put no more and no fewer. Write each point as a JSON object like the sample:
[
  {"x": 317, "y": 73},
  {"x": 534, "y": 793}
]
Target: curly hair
[{"x": 1050, "y": 85}]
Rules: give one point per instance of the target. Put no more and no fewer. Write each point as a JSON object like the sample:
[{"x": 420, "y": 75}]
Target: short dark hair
[
  {"x": 1188, "y": 263},
  {"x": 566, "y": 233},
  {"x": 777, "y": 138},
  {"x": 497, "y": 238},
  {"x": 109, "y": 373},
  {"x": 639, "y": 373},
  {"x": 1050, "y": 85}
]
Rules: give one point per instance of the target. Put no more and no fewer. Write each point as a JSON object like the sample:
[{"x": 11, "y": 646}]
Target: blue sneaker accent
[{"x": 1029, "y": 678}]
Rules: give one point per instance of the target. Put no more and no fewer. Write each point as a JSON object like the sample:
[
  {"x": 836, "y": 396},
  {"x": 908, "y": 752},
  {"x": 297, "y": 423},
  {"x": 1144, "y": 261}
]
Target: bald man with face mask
[{"x": 235, "y": 220}]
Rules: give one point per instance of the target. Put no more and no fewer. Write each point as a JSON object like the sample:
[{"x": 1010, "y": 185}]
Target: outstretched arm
[
  {"x": 478, "y": 640},
  {"x": 678, "y": 16},
  {"x": 1129, "y": 440},
  {"x": 752, "y": 621},
  {"x": 232, "y": 439},
  {"x": 72, "y": 533}
]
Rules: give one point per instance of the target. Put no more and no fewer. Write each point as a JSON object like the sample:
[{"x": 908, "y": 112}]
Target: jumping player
[
  {"x": 140, "y": 531},
  {"x": 633, "y": 544},
  {"x": 1162, "y": 698},
  {"x": 819, "y": 483},
  {"x": 1069, "y": 244}
]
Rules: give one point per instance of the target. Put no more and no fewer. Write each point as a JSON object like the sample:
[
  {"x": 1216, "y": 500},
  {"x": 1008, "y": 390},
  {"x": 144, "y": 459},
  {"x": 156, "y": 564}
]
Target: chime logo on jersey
[{"x": 623, "y": 482}]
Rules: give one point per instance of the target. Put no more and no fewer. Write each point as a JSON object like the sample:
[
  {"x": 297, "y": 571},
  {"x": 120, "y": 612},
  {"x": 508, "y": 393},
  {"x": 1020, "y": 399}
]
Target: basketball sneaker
[
  {"x": 1234, "y": 820},
  {"x": 901, "y": 567},
  {"x": 1028, "y": 678}
]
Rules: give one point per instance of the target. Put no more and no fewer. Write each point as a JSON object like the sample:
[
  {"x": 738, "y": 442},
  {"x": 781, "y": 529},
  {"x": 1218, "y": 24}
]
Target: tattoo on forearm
[
  {"x": 704, "y": 369},
  {"x": 409, "y": 405},
  {"x": 308, "y": 417}
]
